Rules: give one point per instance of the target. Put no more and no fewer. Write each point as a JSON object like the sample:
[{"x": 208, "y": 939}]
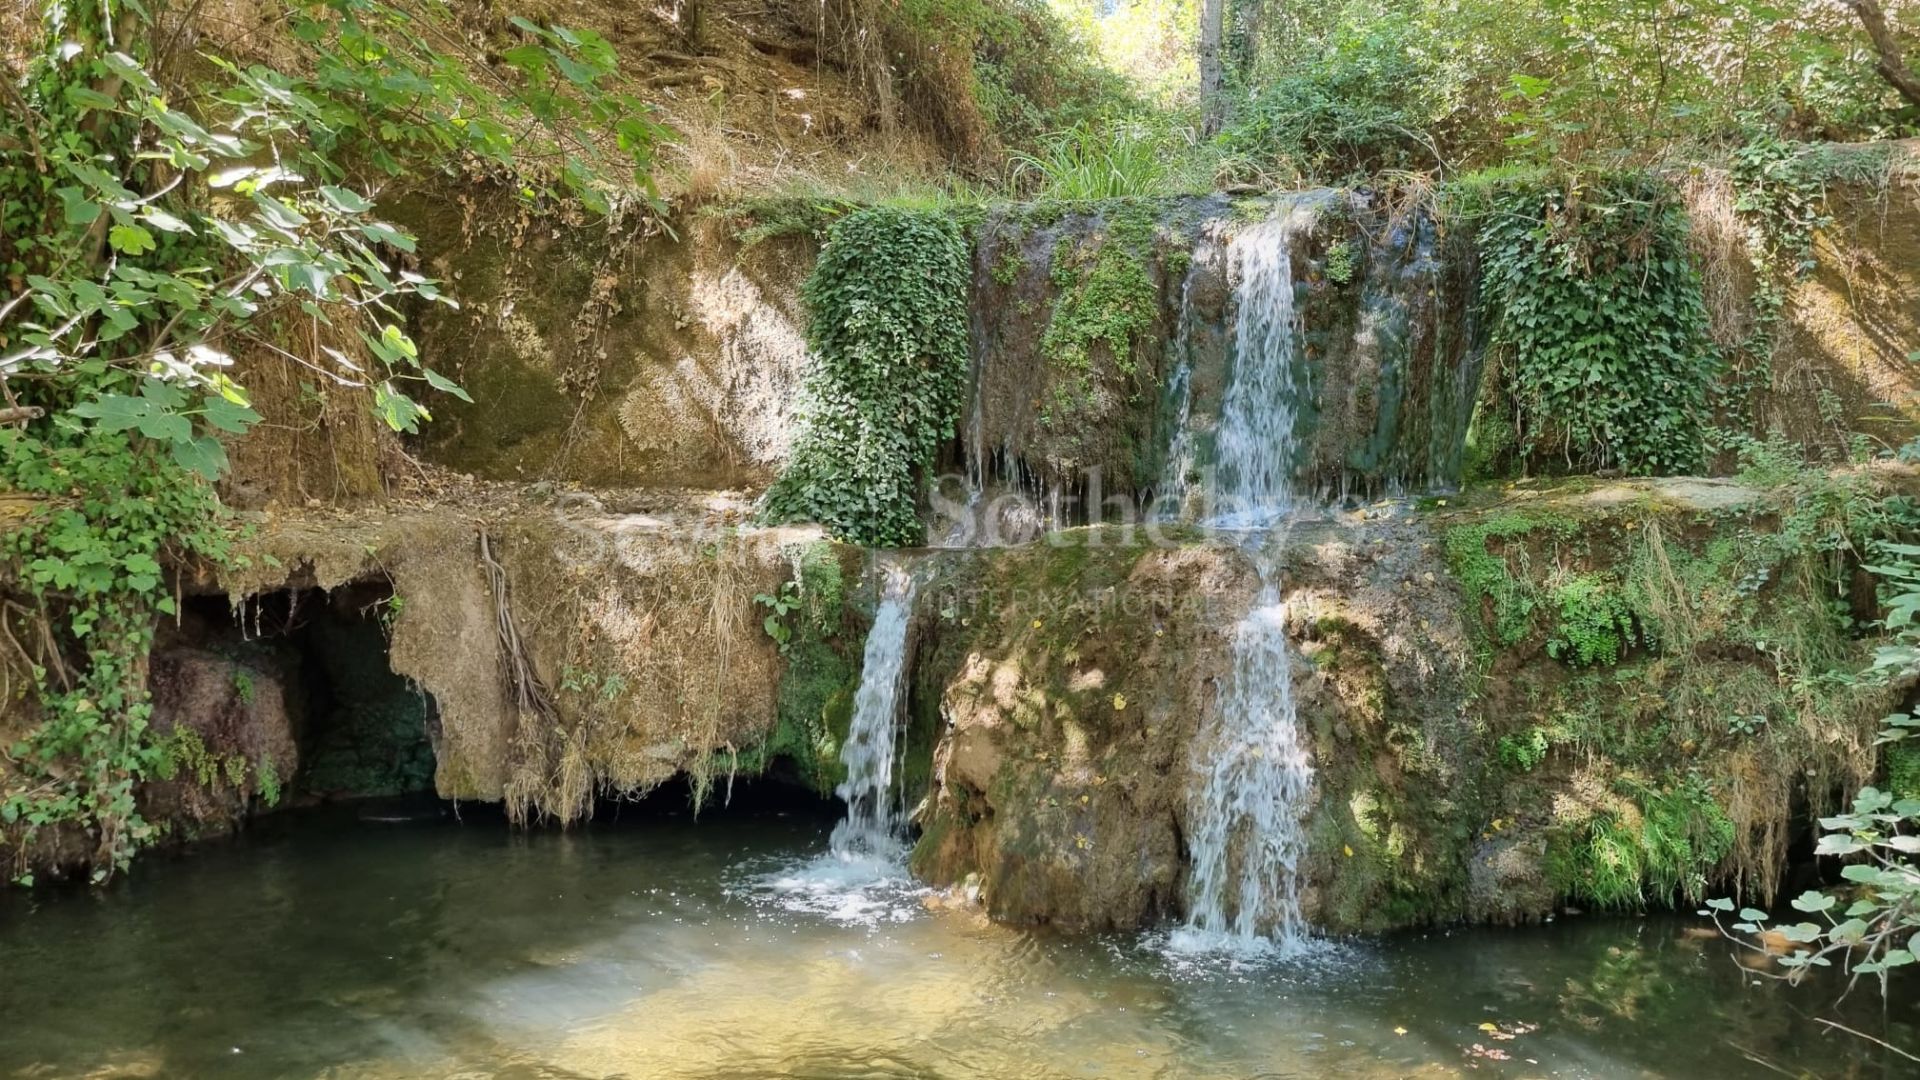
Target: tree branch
[{"x": 1892, "y": 65}]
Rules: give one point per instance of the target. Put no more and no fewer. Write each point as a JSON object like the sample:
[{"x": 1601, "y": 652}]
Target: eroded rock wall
[
  {"x": 655, "y": 353},
  {"x": 1602, "y": 695},
  {"x": 639, "y": 647}
]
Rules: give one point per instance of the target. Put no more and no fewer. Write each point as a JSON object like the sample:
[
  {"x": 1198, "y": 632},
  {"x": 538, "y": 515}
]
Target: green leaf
[
  {"x": 86, "y": 98},
  {"x": 130, "y": 239},
  {"x": 445, "y": 385},
  {"x": 166, "y": 427},
  {"x": 203, "y": 455},
  {"x": 345, "y": 200},
  {"x": 79, "y": 210},
  {"x": 387, "y": 234},
  {"x": 227, "y": 415},
  {"x": 400, "y": 412},
  {"x": 164, "y": 221},
  {"x": 278, "y": 213},
  {"x": 1813, "y": 902},
  {"x": 114, "y": 412}
]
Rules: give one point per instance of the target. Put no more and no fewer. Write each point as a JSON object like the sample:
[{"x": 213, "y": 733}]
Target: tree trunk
[
  {"x": 1892, "y": 65},
  {"x": 1213, "y": 17}
]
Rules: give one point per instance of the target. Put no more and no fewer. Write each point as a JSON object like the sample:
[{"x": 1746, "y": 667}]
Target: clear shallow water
[{"x": 656, "y": 948}]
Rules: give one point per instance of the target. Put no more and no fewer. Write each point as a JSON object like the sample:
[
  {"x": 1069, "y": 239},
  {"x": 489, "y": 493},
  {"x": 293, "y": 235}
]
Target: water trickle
[
  {"x": 1174, "y": 477},
  {"x": 871, "y": 827},
  {"x": 1255, "y": 777}
]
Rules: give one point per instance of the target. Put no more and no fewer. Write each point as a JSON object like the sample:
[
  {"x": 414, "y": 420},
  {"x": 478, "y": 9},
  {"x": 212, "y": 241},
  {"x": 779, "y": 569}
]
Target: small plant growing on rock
[
  {"x": 778, "y": 606},
  {"x": 1340, "y": 262}
]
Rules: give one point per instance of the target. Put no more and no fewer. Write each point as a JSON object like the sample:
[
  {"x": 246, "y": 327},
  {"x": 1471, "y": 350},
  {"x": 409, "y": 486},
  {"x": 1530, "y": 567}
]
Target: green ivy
[
  {"x": 1780, "y": 196},
  {"x": 887, "y": 306},
  {"x": 113, "y": 512},
  {"x": 1596, "y": 314}
]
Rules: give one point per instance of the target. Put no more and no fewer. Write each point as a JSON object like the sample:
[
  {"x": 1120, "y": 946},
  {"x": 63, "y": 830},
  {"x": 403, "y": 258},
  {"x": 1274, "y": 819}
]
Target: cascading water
[
  {"x": 862, "y": 878},
  {"x": 870, "y": 829},
  {"x": 1256, "y": 444},
  {"x": 1255, "y": 777}
]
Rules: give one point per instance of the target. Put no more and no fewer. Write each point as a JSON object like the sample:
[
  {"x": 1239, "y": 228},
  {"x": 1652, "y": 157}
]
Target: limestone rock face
[{"x": 1072, "y": 681}]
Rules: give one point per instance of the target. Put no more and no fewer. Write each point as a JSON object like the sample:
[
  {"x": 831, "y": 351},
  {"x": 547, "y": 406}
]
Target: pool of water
[{"x": 322, "y": 947}]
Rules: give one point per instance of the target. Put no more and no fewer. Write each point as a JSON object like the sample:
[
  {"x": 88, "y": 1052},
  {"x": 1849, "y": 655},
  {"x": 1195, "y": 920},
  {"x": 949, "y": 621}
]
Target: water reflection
[{"x": 662, "y": 949}]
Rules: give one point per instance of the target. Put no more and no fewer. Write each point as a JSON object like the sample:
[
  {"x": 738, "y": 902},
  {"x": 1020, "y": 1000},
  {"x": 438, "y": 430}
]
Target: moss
[
  {"x": 1108, "y": 296},
  {"x": 1903, "y": 770}
]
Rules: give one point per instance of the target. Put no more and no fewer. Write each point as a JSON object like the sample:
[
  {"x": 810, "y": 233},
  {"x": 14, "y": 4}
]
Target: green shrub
[
  {"x": 1370, "y": 101},
  {"x": 1596, "y": 622}
]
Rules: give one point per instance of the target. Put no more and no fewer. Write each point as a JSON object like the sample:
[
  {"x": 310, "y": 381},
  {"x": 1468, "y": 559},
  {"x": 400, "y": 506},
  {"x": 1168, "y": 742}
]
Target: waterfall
[
  {"x": 1256, "y": 444},
  {"x": 871, "y": 827},
  {"x": 1255, "y": 778},
  {"x": 1255, "y": 783}
]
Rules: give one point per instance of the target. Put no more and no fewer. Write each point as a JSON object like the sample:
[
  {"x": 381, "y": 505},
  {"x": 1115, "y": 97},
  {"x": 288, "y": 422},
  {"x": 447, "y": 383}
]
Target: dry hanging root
[{"x": 550, "y": 773}]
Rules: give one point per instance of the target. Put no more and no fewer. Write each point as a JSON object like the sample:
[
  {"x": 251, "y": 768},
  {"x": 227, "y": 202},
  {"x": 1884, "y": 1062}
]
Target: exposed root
[{"x": 551, "y": 776}]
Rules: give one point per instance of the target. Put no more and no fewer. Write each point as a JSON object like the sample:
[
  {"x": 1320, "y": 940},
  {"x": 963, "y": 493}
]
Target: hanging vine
[
  {"x": 1597, "y": 321},
  {"x": 887, "y": 305}
]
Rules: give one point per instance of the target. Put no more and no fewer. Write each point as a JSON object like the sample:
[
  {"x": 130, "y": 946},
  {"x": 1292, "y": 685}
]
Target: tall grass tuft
[{"x": 1103, "y": 161}]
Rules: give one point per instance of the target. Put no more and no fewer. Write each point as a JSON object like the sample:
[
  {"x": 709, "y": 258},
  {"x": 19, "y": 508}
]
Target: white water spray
[
  {"x": 871, "y": 827},
  {"x": 1255, "y": 777}
]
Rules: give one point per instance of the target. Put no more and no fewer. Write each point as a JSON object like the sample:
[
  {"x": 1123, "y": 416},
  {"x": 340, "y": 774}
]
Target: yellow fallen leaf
[
  {"x": 1036, "y": 624},
  {"x": 1489, "y": 1027},
  {"x": 1399, "y": 1031},
  {"x": 1348, "y": 848},
  {"x": 1119, "y": 702}
]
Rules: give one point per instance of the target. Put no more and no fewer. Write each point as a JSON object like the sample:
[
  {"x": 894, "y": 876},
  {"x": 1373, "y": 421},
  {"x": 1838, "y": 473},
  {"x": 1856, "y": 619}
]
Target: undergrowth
[
  {"x": 1709, "y": 677},
  {"x": 807, "y": 619}
]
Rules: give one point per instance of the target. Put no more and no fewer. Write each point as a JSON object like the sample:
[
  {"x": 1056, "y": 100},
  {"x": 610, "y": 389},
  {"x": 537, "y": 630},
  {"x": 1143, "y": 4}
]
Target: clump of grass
[{"x": 1110, "y": 161}]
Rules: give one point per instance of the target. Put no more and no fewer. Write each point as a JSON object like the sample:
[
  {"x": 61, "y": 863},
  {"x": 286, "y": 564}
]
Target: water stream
[
  {"x": 1246, "y": 832},
  {"x": 643, "y": 948}
]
